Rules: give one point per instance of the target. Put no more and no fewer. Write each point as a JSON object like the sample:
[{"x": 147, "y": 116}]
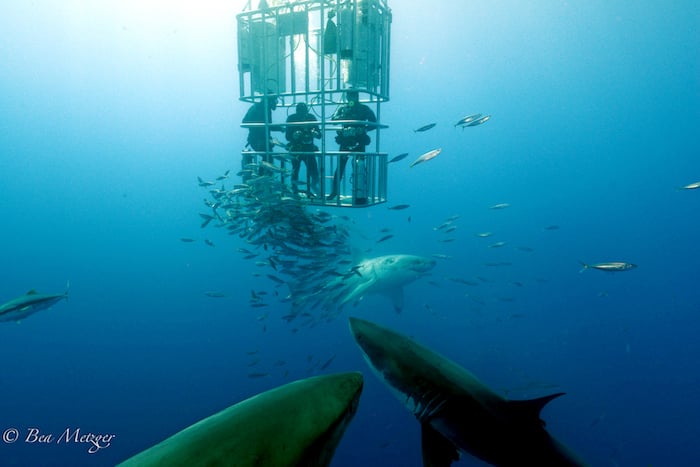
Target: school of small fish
[{"x": 309, "y": 250}]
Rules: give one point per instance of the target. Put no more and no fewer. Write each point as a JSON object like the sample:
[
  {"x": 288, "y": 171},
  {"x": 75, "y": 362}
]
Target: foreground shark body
[
  {"x": 456, "y": 411},
  {"x": 381, "y": 275},
  {"x": 299, "y": 423},
  {"x": 28, "y": 304}
]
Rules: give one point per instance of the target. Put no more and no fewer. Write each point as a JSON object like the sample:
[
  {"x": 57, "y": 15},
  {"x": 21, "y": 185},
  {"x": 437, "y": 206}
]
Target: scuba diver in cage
[
  {"x": 352, "y": 137},
  {"x": 301, "y": 141}
]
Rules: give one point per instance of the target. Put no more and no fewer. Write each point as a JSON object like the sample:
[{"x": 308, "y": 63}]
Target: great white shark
[
  {"x": 385, "y": 275},
  {"x": 456, "y": 411},
  {"x": 19, "y": 308},
  {"x": 297, "y": 424}
]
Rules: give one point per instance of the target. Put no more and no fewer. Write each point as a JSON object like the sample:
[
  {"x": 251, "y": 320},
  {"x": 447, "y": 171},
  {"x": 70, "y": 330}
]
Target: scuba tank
[
  {"x": 330, "y": 36},
  {"x": 360, "y": 189}
]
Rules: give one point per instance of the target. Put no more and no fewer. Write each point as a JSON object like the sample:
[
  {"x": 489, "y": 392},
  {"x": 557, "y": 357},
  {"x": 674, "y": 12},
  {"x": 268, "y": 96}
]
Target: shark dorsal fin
[
  {"x": 530, "y": 409},
  {"x": 32, "y": 292}
]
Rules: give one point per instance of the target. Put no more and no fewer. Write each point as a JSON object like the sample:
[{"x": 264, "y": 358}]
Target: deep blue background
[{"x": 110, "y": 110}]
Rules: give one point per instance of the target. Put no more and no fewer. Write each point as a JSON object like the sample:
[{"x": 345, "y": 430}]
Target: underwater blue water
[{"x": 110, "y": 110}]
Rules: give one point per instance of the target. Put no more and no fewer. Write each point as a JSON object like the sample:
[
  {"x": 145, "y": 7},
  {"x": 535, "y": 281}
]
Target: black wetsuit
[
  {"x": 352, "y": 137},
  {"x": 301, "y": 139},
  {"x": 257, "y": 139}
]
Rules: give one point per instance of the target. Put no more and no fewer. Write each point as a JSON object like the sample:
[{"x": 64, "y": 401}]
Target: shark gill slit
[{"x": 427, "y": 406}]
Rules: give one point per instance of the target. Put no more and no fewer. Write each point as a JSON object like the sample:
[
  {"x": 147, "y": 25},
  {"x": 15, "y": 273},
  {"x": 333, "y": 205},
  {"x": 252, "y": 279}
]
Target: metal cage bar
[{"x": 313, "y": 51}]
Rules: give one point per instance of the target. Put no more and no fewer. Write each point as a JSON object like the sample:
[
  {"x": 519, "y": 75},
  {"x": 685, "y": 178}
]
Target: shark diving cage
[{"x": 314, "y": 52}]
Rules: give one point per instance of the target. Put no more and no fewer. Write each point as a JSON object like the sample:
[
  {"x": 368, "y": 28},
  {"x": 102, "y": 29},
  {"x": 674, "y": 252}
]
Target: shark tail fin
[
  {"x": 584, "y": 266},
  {"x": 531, "y": 408}
]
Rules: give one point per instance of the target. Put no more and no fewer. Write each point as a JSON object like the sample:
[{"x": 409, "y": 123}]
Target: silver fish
[
  {"x": 611, "y": 266},
  {"x": 204, "y": 183},
  {"x": 425, "y": 127},
  {"x": 399, "y": 157},
  {"x": 426, "y": 157},
  {"x": 479, "y": 121},
  {"x": 384, "y": 238},
  {"x": 468, "y": 119}
]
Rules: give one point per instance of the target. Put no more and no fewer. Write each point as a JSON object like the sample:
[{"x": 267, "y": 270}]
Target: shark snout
[
  {"x": 359, "y": 328},
  {"x": 368, "y": 336}
]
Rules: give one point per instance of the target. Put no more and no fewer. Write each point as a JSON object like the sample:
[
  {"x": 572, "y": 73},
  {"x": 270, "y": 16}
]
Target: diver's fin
[
  {"x": 438, "y": 451},
  {"x": 531, "y": 408}
]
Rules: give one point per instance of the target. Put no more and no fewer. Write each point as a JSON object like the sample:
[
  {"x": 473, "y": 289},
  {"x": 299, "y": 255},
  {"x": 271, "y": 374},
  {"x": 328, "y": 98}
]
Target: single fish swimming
[
  {"x": 611, "y": 266},
  {"x": 399, "y": 157},
  {"x": 28, "y": 304},
  {"x": 426, "y": 157},
  {"x": 204, "y": 183},
  {"x": 425, "y": 127},
  {"x": 385, "y": 238}
]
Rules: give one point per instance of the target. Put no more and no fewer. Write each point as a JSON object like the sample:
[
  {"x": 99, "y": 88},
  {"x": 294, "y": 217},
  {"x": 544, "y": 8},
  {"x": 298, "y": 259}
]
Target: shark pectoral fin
[
  {"x": 438, "y": 451},
  {"x": 358, "y": 293},
  {"x": 530, "y": 409},
  {"x": 397, "y": 298}
]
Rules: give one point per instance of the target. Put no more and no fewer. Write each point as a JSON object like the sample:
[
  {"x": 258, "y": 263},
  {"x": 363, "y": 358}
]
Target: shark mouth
[
  {"x": 423, "y": 404},
  {"x": 422, "y": 267}
]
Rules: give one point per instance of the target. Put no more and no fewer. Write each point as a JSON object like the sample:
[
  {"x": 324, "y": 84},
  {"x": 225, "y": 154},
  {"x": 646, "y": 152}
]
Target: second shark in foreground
[
  {"x": 457, "y": 412},
  {"x": 299, "y": 423}
]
